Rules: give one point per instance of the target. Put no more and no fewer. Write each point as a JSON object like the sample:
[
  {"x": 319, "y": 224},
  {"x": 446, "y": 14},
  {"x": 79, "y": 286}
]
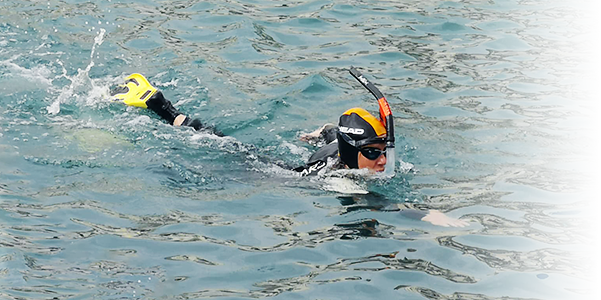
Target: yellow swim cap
[{"x": 357, "y": 128}]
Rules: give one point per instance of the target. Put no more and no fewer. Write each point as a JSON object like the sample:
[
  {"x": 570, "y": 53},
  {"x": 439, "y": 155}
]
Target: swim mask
[{"x": 357, "y": 128}]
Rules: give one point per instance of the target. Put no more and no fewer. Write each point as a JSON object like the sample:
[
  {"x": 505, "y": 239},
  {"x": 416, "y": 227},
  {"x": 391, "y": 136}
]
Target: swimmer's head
[{"x": 361, "y": 140}]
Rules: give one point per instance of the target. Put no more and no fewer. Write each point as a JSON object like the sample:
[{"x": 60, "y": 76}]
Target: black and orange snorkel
[{"x": 385, "y": 118}]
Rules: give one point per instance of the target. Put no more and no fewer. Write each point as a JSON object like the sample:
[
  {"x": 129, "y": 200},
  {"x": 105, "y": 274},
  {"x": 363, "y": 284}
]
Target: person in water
[{"x": 358, "y": 142}]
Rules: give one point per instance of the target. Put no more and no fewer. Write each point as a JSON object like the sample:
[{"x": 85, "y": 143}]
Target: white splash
[
  {"x": 39, "y": 74},
  {"x": 140, "y": 120},
  {"x": 405, "y": 167},
  {"x": 343, "y": 185},
  {"x": 296, "y": 150},
  {"x": 77, "y": 81},
  {"x": 172, "y": 83}
]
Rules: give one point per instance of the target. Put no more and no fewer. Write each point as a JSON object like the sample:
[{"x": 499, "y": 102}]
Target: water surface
[{"x": 494, "y": 106}]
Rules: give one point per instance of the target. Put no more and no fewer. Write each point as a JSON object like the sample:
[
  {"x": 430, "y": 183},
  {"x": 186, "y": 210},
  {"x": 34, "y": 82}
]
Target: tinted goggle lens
[{"x": 372, "y": 153}]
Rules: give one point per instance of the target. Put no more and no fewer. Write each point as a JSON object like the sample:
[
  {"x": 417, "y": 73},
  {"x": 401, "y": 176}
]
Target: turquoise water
[{"x": 494, "y": 106}]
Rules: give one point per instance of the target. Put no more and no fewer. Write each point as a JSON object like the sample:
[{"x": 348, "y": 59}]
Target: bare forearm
[
  {"x": 165, "y": 109},
  {"x": 179, "y": 120}
]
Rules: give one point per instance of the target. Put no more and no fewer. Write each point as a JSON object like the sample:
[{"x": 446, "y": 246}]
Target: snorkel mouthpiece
[
  {"x": 390, "y": 159},
  {"x": 385, "y": 118}
]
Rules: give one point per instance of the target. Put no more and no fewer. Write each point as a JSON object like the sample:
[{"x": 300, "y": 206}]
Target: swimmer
[{"x": 360, "y": 141}]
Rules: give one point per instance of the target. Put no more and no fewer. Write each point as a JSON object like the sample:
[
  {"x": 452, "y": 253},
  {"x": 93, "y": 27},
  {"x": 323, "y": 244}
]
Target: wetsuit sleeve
[
  {"x": 165, "y": 109},
  {"x": 162, "y": 107},
  {"x": 325, "y": 152},
  {"x": 311, "y": 168},
  {"x": 318, "y": 160},
  {"x": 194, "y": 123}
]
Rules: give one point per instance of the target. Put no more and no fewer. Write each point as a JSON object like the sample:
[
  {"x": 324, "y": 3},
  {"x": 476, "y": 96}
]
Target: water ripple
[{"x": 492, "y": 103}]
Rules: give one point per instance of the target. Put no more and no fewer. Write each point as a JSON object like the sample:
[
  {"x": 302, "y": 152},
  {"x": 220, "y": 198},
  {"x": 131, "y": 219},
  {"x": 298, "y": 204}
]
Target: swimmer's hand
[
  {"x": 315, "y": 136},
  {"x": 438, "y": 218},
  {"x": 136, "y": 91},
  {"x": 308, "y": 137}
]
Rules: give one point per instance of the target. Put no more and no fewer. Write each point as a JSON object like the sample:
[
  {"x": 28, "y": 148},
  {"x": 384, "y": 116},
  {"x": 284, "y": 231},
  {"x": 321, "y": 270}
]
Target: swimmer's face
[{"x": 376, "y": 164}]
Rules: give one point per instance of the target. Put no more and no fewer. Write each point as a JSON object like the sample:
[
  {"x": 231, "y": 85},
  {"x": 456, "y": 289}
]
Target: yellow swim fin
[{"x": 135, "y": 91}]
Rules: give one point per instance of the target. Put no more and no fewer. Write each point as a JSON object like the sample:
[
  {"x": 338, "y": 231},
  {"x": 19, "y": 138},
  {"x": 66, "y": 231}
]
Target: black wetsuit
[
  {"x": 316, "y": 163},
  {"x": 319, "y": 159},
  {"x": 165, "y": 109}
]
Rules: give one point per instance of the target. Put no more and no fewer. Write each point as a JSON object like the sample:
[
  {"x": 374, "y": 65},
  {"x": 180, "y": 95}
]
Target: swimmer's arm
[
  {"x": 327, "y": 132},
  {"x": 433, "y": 216},
  {"x": 165, "y": 109}
]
